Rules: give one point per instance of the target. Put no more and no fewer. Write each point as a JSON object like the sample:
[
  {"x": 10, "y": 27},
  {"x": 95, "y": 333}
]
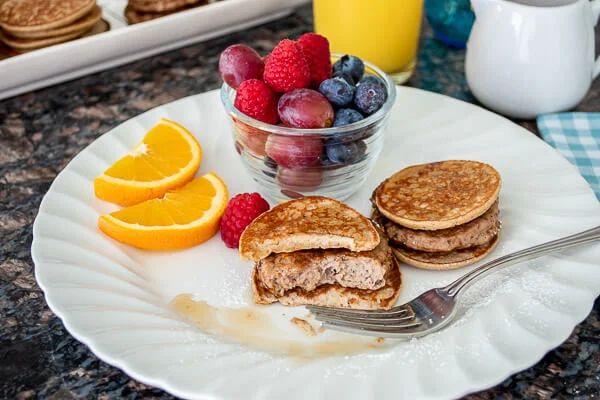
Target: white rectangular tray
[{"x": 124, "y": 43}]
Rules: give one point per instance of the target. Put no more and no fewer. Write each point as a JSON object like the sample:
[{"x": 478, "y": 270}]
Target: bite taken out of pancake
[
  {"x": 316, "y": 250},
  {"x": 440, "y": 215}
]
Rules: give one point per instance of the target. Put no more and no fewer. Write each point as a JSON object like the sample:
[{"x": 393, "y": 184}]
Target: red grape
[
  {"x": 305, "y": 108},
  {"x": 294, "y": 151},
  {"x": 238, "y": 63},
  {"x": 254, "y": 141},
  {"x": 300, "y": 180}
]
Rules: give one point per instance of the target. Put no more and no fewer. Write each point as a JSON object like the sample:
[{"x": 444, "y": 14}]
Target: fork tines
[{"x": 396, "y": 322}]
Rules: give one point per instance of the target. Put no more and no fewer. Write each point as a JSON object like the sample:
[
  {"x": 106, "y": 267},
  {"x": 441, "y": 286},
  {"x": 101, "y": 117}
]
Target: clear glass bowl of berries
[{"x": 312, "y": 127}]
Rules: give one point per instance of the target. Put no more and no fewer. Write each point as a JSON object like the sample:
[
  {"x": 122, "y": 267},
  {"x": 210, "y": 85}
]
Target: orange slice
[
  {"x": 168, "y": 157},
  {"x": 182, "y": 218}
]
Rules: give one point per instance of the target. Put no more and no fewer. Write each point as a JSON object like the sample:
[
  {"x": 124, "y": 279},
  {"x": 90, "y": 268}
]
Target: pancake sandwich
[
  {"x": 316, "y": 250},
  {"x": 33, "y": 24},
  {"x": 441, "y": 215}
]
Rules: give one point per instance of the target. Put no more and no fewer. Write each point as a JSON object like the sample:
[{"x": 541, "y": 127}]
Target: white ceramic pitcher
[{"x": 529, "y": 57}]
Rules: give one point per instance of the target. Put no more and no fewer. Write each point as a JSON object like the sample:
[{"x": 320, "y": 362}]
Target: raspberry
[
  {"x": 240, "y": 211},
  {"x": 316, "y": 51},
  {"x": 286, "y": 68},
  {"x": 257, "y": 100}
]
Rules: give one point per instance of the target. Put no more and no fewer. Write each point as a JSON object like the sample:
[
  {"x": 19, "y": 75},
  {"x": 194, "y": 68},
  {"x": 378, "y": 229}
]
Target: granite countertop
[{"x": 40, "y": 132}]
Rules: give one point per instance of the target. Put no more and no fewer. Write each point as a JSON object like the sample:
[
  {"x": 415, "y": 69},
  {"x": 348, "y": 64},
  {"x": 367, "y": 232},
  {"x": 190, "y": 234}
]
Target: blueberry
[
  {"x": 350, "y": 64},
  {"x": 345, "y": 76},
  {"x": 370, "y": 95},
  {"x": 346, "y": 116},
  {"x": 372, "y": 79},
  {"x": 338, "y": 91},
  {"x": 345, "y": 152},
  {"x": 325, "y": 161}
]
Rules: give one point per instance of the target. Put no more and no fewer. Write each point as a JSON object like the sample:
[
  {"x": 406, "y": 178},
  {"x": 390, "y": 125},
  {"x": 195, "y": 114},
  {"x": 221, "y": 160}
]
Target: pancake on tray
[
  {"x": 441, "y": 215},
  {"x": 319, "y": 251},
  {"x": 33, "y": 24},
  {"x": 146, "y": 10}
]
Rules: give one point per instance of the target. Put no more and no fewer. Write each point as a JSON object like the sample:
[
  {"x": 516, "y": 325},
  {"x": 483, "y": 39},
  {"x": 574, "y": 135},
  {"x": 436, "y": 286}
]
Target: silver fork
[{"x": 435, "y": 308}]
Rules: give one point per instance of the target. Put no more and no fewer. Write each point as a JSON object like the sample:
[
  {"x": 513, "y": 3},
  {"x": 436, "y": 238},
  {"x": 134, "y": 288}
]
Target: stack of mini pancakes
[
  {"x": 440, "y": 215},
  {"x": 146, "y": 10},
  {"x": 32, "y": 24}
]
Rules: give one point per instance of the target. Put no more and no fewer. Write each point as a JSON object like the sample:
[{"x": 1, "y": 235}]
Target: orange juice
[{"x": 383, "y": 32}]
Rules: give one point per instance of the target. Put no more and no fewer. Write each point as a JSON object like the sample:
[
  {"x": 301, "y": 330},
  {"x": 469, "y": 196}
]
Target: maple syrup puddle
[{"x": 248, "y": 326}]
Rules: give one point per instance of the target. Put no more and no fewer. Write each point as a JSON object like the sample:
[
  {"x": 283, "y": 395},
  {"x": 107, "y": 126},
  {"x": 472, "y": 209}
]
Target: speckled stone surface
[{"x": 40, "y": 132}]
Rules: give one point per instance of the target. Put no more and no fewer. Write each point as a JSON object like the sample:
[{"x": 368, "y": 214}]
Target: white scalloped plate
[{"x": 114, "y": 298}]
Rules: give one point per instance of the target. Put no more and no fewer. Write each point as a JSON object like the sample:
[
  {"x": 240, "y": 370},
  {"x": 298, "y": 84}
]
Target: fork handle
[{"x": 455, "y": 288}]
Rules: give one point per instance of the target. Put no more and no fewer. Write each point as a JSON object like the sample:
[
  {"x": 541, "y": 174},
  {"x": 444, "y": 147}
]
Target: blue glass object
[{"x": 450, "y": 20}]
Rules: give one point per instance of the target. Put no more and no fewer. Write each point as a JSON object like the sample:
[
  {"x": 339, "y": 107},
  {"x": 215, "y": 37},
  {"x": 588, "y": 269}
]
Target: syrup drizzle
[{"x": 249, "y": 326}]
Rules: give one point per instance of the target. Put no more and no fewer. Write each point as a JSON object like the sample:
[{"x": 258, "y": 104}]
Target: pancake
[
  {"x": 134, "y": 16},
  {"x": 438, "y": 195},
  {"x": 311, "y": 222},
  {"x": 7, "y": 52},
  {"x": 31, "y": 44},
  {"x": 159, "y": 6},
  {"x": 22, "y": 16},
  {"x": 81, "y": 25}
]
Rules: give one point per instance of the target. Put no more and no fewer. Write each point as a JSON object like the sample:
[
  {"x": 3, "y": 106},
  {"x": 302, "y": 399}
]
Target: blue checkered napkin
[{"x": 577, "y": 137}]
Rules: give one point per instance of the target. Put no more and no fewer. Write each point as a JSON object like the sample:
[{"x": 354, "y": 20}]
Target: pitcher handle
[{"x": 596, "y": 10}]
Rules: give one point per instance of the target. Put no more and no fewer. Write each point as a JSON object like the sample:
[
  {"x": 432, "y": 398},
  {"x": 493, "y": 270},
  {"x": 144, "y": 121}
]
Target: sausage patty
[
  {"x": 308, "y": 269},
  {"x": 474, "y": 233}
]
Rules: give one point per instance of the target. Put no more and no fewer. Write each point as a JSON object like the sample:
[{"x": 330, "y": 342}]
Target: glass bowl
[{"x": 317, "y": 175}]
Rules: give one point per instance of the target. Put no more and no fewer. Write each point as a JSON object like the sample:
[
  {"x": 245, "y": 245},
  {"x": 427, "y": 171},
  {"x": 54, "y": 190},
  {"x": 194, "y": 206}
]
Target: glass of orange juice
[{"x": 383, "y": 32}]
